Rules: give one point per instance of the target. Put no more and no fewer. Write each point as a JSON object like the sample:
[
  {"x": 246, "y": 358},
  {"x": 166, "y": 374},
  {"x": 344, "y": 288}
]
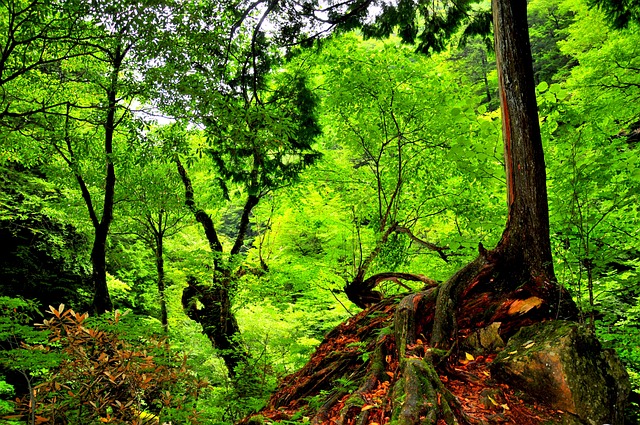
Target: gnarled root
[{"x": 419, "y": 397}]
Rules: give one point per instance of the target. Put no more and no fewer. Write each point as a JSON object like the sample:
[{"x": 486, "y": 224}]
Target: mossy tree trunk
[{"x": 210, "y": 303}]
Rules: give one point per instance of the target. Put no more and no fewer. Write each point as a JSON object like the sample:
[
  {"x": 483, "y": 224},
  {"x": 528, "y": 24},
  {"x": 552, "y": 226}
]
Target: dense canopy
[{"x": 342, "y": 212}]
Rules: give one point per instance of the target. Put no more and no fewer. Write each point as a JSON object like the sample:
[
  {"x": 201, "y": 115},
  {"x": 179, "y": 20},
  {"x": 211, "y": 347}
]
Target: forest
[{"x": 292, "y": 211}]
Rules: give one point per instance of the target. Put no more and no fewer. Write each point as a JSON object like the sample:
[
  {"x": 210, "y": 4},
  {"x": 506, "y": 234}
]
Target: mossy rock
[{"x": 562, "y": 364}]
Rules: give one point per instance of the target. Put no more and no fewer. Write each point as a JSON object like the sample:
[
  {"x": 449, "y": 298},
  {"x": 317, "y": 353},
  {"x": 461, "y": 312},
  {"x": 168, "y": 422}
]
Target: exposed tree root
[
  {"x": 420, "y": 397},
  {"x": 400, "y": 359}
]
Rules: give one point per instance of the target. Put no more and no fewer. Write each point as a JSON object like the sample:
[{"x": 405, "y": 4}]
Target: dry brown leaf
[{"x": 523, "y": 306}]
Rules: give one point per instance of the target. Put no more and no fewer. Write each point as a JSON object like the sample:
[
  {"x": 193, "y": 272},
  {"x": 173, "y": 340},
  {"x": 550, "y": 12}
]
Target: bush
[{"x": 105, "y": 377}]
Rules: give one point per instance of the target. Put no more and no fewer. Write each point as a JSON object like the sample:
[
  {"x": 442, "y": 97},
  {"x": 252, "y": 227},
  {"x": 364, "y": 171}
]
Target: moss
[
  {"x": 355, "y": 400},
  {"x": 256, "y": 420},
  {"x": 563, "y": 364},
  {"x": 415, "y": 396}
]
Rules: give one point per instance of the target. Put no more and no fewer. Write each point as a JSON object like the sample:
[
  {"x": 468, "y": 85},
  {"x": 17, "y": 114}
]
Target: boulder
[{"x": 563, "y": 365}]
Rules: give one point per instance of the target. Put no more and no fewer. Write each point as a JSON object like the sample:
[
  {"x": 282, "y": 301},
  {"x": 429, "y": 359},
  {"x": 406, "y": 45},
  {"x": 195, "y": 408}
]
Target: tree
[
  {"x": 113, "y": 45},
  {"x": 528, "y": 216},
  {"x": 258, "y": 147},
  {"x": 35, "y": 37},
  {"x": 528, "y": 219},
  {"x": 508, "y": 287},
  {"x": 153, "y": 209},
  {"x": 259, "y": 127}
]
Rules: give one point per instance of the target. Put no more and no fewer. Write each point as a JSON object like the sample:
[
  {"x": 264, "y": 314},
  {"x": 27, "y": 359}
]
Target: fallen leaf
[
  {"x": 505, "y": 407},
  {"x": 367, "y": 407},
  {"x": 469, "y": 357},
  {"x": 523, "y": 306}
]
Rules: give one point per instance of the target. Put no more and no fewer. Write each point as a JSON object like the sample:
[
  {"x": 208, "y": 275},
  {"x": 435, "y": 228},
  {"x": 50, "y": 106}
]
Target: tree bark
[
  {"x": 252, "y": 201},
  {"x": 526, "y": 236},
  {"x": 102, "y": 300},
  {"x": 159, "y": 253},
  {"x": 358, "y": 293},
  {"x": 216, "y": 317}
]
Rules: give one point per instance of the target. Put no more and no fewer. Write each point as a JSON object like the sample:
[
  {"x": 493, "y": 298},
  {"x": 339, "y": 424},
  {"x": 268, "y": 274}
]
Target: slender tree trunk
[
  {"x": 159, "y": 251},
  {"x": 102, "y": 300},
  {"x": 252, "y": 201},
  {"x": 484, "y": 75}
]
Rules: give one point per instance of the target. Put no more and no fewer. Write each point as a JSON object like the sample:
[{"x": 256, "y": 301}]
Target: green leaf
[
  {"x": 555, "y": 88},
  {"x": 542, "y": 87}
]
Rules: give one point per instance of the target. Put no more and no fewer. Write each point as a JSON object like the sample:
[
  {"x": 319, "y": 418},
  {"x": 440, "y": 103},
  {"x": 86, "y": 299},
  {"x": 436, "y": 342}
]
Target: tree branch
[
  {"x": 201, "y": 216},
  {"x": 433, "y": 247}
]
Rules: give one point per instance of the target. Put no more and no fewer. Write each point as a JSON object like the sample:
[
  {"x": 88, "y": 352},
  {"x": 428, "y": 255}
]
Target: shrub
[{"x": 106, "y": 378}]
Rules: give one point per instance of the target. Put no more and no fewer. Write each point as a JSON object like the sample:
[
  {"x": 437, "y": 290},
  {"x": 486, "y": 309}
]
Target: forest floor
[{"x": 314, "y": 393}]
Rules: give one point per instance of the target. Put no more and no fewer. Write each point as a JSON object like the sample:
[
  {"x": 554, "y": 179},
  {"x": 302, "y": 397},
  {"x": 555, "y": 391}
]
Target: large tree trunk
[
  {"x": 520, "y": 268},
  {"x": 526, "y": 236}
]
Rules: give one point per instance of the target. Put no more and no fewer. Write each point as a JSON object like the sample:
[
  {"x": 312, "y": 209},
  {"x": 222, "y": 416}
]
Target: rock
[
  {"x": 485, "y": 340},
  {"x": 562, "y": 364}
]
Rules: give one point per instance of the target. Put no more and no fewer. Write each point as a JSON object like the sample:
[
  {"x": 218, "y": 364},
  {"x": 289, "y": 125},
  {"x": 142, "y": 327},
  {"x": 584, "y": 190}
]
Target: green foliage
[
  {"x": 620, "y": 14},
  {"x": 263, "y": 145},
  {"x": 588, "y": 122},
  {"x": 406, "y": 139},
  {"x": 549, "y": 22},
  {"x": 24, "y": 351},
  {"x": 39, "y": 251},
  {"x": 6, "y": 391}
]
